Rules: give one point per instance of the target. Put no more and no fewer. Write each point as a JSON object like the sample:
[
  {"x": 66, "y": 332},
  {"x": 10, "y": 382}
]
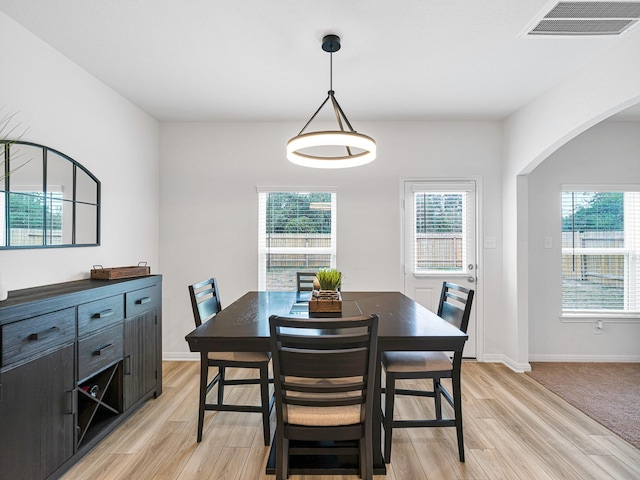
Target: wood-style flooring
[{"x": 514, "y": 429}]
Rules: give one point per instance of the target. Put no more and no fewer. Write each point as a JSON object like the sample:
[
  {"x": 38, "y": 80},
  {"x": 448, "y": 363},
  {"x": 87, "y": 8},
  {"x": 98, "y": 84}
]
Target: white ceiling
[{"x": 213, "y": 60}]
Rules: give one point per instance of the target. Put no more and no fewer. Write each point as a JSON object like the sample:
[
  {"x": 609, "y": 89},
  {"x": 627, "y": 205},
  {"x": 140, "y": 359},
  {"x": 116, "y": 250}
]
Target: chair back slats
[
  {"x": 452, "y": 314},
  {"x": 329, "y": 341},
  {"x": 455, "y": 305},
  {"x": 323, "y": 362},
  {"x": 295, "y": 386},
  {"x": 304, "y": 281},
  {"x": 205, "y": 300}
]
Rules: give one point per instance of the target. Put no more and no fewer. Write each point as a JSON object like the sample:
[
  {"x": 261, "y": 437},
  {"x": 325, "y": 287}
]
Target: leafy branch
[{"x": 6, "y": 131}]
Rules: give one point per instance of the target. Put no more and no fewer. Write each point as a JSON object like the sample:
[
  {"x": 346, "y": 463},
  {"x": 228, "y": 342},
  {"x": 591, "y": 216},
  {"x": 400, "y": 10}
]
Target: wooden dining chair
[
  {"x": 455, "y": 308},
  {"x": 205, "y": 302},
  {"x": 304, "y": 281},
  {"x": 324, "y": 376}
]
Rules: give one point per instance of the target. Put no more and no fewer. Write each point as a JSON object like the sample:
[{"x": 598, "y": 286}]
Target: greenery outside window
[
  {"x": 297, "y": 232},
  {"x": 600, "y": 252}
]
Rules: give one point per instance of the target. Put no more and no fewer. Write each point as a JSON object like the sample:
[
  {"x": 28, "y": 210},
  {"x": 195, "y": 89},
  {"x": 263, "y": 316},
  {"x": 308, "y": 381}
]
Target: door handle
[{"x": 471, "y": 279}]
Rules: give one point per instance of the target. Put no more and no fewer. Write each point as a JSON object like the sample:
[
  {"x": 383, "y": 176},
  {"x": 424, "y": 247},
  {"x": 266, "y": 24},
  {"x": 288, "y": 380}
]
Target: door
[
  {"x": 440, "y": 243},
  {"x": 139, "y": 356},
  {"x": 36, "y": 416}
]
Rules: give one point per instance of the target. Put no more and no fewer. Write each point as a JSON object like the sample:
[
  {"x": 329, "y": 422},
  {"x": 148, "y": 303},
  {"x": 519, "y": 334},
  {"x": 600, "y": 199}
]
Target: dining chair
[
  {"x": 205, "y": 302},
  {"x": 455, "y": 308},
  {"x": 304, "y": 281},
  {"x": 324, "y": 376}
]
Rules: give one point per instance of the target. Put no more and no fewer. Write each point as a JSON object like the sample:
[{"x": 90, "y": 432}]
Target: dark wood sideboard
[{"x": 77, "y": 358}]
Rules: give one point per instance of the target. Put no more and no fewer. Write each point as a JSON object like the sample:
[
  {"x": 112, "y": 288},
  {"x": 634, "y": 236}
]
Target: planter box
[{"x": 325, "y": 303}]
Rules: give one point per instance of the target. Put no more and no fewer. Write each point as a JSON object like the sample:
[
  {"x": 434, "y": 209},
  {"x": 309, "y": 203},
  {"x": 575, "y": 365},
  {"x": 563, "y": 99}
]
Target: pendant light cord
[{"x": 330, "y": 72}]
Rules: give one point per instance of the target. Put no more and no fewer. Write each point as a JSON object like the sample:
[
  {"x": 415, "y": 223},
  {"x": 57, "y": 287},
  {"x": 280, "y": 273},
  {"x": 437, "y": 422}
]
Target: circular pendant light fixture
[{"x": 331, "y": 148}]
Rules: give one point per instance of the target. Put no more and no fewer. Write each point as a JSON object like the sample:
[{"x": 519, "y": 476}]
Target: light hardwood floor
[{"x": 514, "y": 429}]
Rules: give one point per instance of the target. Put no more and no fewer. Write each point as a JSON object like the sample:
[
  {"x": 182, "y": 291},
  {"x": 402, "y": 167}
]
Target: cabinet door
[
  {"x": 36, "y": 417},
  {"x": 140, "y": 362}
]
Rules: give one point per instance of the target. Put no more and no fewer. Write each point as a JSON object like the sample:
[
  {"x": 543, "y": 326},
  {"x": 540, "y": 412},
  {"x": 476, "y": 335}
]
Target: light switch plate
[
  {"x": 548, "y": 242},
  {"x": 489, "y": 242}
]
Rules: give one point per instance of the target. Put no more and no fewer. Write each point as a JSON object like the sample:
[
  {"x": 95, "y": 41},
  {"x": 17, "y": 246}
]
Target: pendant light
[{"x": 318, "y": 149}]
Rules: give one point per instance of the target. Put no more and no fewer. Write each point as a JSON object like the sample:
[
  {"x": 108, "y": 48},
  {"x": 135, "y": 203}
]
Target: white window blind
[
  {"x": 601, "y": 252},
  {"x": 441, "y": 236},
  {"x": 31, "y": 210},
  {"x": 297, "y": 232}
]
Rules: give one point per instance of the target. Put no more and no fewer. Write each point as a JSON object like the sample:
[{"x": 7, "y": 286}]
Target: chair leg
[
  {"x": 362, "y": 460},
  {"x": 389, "y": 397},
  {"x": 282, "y": 456},
  {"x": 366, "y": 455},
  {"x": 221, "y": 371},
  {"x": 437, "y": 398},
  {"x": 264, "y": 396},
  {"x": 457, "y": 407},
  {"x": 204, "y": 377}
]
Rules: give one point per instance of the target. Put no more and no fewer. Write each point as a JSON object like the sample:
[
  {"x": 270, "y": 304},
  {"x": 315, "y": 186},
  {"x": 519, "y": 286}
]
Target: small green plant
[{"x": 329, "y": 279}]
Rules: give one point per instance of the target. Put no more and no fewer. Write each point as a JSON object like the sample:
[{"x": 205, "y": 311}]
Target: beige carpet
[{"x": 607, "y": 392}]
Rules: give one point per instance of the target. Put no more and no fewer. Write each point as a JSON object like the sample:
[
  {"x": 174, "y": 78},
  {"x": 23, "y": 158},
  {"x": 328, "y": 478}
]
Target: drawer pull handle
[
  {"x": 44, "y": 334},
  {"x": 102, "y": 350},
  {"x": 143, "y": 300},
  {"x": 127, "y": 365},
  {"x": 104, "y": 313}
]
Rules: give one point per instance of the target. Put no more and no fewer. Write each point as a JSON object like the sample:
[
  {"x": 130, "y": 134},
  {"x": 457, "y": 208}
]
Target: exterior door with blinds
[{"x": 440, "y": 243}]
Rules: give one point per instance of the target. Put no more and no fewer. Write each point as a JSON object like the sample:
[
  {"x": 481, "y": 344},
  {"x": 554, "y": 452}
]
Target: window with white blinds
[
  {"x": 441, "y": 237},
  {"x": 600, "y": 252},
  {"x": 297, "y": 233}
]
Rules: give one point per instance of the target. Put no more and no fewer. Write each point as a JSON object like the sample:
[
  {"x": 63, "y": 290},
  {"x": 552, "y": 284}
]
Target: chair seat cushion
[
  {"x": 416, "y": 361},
  {"x": 323, "y": 416},
  {"x": 240, "y": 356}
]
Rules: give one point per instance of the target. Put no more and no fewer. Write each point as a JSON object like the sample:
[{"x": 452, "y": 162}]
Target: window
[
  {"x": 442, "y": 229},
  {"x": 600, "y": 252},
  {"x": 297, "y": 232}
]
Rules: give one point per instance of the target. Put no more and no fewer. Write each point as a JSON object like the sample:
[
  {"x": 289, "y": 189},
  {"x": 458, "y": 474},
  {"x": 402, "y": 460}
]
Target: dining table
[{"x": 403, "y": 325}]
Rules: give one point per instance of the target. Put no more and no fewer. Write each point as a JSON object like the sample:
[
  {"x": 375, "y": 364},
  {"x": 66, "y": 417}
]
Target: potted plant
[
  {"x": 329, "y": 279},
  {"x": 326, "y": 299}
]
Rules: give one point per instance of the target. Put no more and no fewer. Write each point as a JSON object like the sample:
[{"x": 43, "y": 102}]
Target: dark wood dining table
[{"x": 404, "y": 325}]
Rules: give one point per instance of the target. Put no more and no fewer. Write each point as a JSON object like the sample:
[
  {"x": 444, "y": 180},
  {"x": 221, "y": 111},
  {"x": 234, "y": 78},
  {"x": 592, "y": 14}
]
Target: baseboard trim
[
  {"x": 583, "y": 358},
  {"x": 487, "y": 358},
  {"x": 180, "y": 356},
  {"x": 508, "y": 362}
]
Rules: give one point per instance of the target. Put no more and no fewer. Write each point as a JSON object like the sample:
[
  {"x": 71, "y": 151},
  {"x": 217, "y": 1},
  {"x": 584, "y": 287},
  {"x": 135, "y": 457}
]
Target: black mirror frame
[{"x": 5, "y": 148}]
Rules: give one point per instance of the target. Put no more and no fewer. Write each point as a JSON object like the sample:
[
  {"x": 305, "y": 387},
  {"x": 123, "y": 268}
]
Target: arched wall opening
[{"x": 603, "y": 88}]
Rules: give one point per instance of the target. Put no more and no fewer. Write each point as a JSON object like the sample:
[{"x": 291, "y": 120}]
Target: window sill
[{"x": 609, "y": 317}]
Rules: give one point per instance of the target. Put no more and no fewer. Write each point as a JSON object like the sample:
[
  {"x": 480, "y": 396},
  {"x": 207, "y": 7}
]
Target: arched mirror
[{"x": 47, "y": 199}]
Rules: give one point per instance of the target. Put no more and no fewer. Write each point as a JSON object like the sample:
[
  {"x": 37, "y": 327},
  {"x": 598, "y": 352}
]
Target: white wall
[
  {"x": 608, "y": 153},
  {"x": 209, "y": 205},
  {"x": 69, "y": 110},
  {"x": 606, "y": 86}
]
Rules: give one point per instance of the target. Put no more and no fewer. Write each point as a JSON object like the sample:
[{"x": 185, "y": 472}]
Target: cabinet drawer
[
  {"x": 99, "y": 350},
  {"x": 142, "y": 300},
  {"x": 100, "y": 314},
  {"x": 37, "y": 335}
]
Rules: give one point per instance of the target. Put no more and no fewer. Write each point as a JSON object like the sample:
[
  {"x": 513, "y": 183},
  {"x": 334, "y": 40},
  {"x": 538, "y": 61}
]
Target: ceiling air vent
[{"x": 588, "y": 18}]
